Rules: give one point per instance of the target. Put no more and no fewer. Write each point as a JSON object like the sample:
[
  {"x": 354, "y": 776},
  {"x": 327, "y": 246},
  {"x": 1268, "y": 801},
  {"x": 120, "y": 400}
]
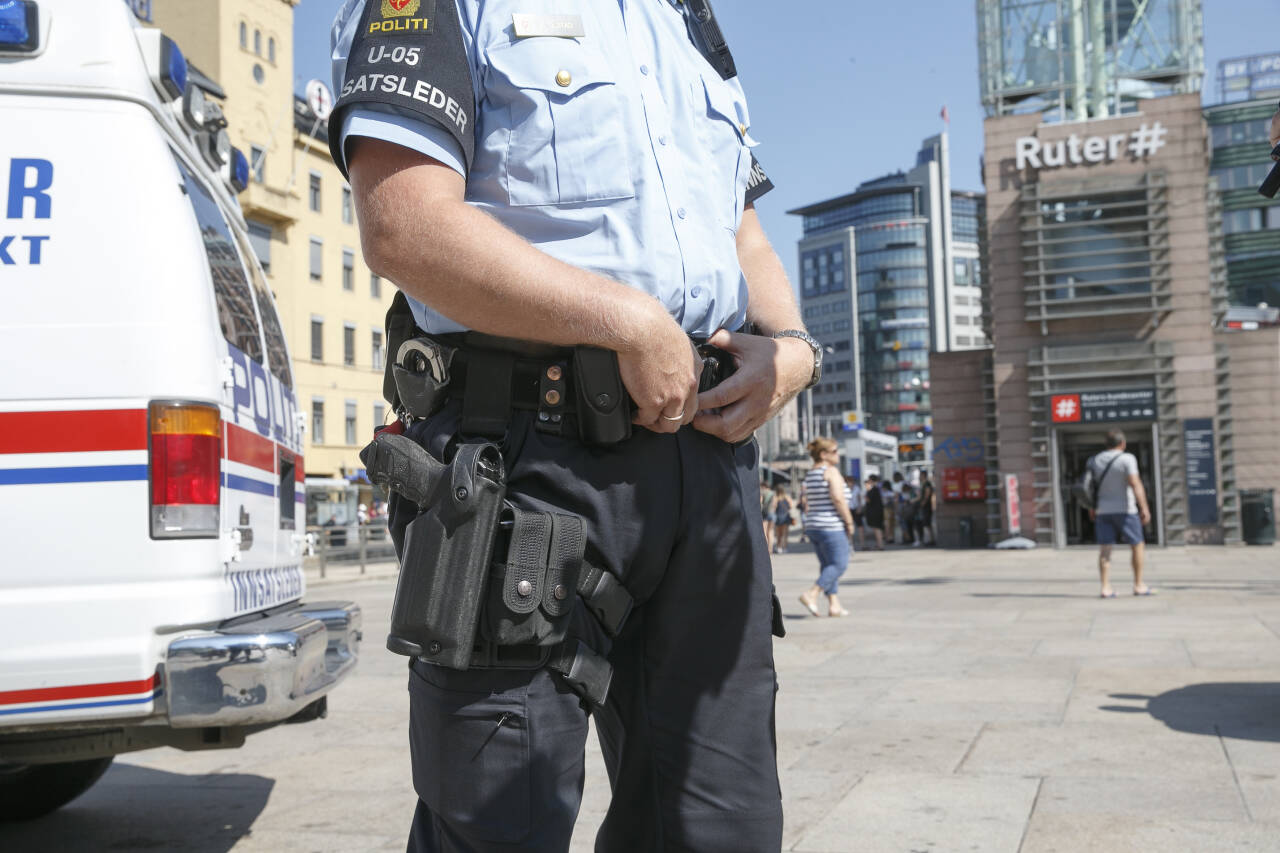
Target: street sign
[
  {"x": 850, "y": 421},
  {"x": 319, "y": 99},
  {"x": 1012, "y": 507},
  {"x": 1202, "y": 477}
]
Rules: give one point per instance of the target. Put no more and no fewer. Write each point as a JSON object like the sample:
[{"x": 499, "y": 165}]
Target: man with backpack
[{"x": 1119, "y": 509}]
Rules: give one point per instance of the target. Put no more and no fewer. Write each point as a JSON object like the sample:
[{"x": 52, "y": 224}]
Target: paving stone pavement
[{"x": 974, "y": 701}]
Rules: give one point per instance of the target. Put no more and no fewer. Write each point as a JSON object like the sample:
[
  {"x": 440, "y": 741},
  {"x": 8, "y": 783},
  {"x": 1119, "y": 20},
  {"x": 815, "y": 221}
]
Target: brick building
[{"x": 1107, "y": 294}]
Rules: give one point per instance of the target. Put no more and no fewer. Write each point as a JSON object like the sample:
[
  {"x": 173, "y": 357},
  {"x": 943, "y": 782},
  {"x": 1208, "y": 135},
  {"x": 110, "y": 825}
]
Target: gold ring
[{"x": 678, "y": 417}]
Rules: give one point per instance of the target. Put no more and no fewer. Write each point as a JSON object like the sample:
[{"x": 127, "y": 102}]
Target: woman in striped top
[{"x": 828, "y": 524}]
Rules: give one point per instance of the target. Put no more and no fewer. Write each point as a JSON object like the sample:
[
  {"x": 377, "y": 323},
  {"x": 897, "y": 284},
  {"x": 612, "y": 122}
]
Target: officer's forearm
[
  {"x": 416, "y": 231},
  {"x": 772, "y": 304}
]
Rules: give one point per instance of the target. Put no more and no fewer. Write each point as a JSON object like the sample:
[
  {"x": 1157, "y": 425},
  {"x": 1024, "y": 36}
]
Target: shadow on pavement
[
  {"x": 1031, "y": 595},
  {"x": 1245, "y": 710},
  {"x": 137, "y": 808}
]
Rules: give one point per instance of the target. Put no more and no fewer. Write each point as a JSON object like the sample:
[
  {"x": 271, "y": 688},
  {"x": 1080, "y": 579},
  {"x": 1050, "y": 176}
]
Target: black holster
[{"x": 447, "y": 552}]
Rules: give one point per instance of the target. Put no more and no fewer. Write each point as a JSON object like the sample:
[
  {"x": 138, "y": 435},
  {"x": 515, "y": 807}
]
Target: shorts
[{"x": 1123, "y": 527}]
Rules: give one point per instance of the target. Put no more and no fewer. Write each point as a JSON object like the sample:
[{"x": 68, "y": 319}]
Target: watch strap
[{"x": 813, "y": 345}]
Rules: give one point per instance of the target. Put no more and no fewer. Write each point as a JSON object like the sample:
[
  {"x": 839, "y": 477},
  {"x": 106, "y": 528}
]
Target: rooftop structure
[{"x": 1077, "y": 59}]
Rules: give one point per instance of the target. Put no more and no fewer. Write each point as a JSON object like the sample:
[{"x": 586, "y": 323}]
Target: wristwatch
[{"x": 813, "y": 345}]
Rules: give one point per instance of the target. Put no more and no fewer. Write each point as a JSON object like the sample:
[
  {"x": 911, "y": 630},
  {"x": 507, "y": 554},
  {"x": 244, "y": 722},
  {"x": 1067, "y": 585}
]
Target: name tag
[{"x": 564, "y": 26}]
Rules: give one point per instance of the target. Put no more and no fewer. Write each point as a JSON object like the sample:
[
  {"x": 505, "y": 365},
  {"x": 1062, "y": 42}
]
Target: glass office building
[
  {"x": 1250, "y": 222},
  {"x": 887, "y": 274}
]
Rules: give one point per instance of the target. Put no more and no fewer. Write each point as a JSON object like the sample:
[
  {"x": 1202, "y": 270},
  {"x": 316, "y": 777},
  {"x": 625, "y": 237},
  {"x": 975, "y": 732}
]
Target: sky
[{"x": 841, "y": 91}]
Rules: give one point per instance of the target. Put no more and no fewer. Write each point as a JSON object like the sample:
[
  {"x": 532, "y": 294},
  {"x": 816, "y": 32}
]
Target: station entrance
[{"x": 1074, "y": 446}]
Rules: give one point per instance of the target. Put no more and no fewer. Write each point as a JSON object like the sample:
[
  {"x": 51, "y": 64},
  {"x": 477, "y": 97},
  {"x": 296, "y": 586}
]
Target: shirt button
[
  {"x": 696, "y": 292},
  {"x": 563, "y": 78},
  {"x": 662, "y": 140},
  {"x": 681, "y": 213},
  {"x": 644, "y": 69}
]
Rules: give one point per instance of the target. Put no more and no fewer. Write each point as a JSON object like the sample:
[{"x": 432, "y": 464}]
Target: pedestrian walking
[
  {"x": 767, "y": 502},
  {"x": 1120, "y": 512},
  {"x": 568, "y": 218},
  {"x": 926, "y": 504},
  {"x": 781, "y": 519},
  {"x": 857, "y": 507},
  {"x": 828, "y": 524},
  {"x": 907, "y": 513},
  {"x": 874, "y": 517},
  {"x": 890, "y": 497}
]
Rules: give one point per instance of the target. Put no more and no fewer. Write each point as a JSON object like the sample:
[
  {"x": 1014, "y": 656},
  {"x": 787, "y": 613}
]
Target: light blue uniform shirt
[{"x": 636, "y": 169}]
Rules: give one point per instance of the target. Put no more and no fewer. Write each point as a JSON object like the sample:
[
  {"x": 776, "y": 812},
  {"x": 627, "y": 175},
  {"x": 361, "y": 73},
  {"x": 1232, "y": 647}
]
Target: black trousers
[{"x": 688, "y": 730}]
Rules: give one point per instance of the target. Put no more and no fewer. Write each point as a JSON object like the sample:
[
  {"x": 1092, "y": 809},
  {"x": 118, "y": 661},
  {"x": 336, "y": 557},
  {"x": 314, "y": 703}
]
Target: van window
[
  {"x": 277, "y": 352},
  {"x": 230, "y": 287}
]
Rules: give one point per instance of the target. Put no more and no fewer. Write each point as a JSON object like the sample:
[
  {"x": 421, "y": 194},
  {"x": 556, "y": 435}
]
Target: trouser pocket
[{"x": 470, "y": 754}]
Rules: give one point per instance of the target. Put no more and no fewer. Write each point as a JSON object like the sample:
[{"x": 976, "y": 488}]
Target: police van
[{"x": 151, "y": 462}]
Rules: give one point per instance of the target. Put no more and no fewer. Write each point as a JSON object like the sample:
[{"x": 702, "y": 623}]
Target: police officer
[{"x": 586, "y": 178}]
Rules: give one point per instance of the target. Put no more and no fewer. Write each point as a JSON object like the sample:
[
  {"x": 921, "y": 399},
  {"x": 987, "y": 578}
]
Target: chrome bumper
[{"x": 261, "y": 670}]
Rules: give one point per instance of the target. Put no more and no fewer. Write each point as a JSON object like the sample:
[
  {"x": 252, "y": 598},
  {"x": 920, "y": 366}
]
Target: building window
[
  {"x": 314, "y": 196},
  {"x": 348, "y": 269},
  {"x": 1238, "y": 221},
  {"x": 257, "y": 163},
  {"x": 349, "y": 345},
  {"x": 257, "y": 42},
  {"x": 317, "y": 420},
  {"x": 375, "y": 286},
  {"x": 379, "y": 415},
  {"x": 350, "y": 420},
  {"x": 260, "y": 240},
  {"x": 317, "y": 258},
  {"x": 244, "y": 35},
  {"x": 271, "y": 51},
  {"x": 377, "y": 349},
  {"x": 347, "y": 217},
  {"x": 317, "y": 339}
]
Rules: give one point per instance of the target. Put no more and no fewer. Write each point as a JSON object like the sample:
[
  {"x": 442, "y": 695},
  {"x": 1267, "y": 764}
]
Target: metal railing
[{"x": 348, "y": 543}]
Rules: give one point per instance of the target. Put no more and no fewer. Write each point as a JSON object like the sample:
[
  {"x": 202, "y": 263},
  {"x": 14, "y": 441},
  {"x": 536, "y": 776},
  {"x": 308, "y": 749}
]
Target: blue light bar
[
  {"x": 19, "y": 26},
  {"x": 173, "y": 67},
  {"x": 239, "y": 170}
]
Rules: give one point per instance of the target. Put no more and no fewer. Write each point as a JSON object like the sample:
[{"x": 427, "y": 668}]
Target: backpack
[{"x": 1085, "y": 490}]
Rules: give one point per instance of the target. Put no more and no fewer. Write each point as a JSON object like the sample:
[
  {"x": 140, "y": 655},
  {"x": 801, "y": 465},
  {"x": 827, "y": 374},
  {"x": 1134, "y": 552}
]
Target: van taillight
[{"x": 186, "y": 463}]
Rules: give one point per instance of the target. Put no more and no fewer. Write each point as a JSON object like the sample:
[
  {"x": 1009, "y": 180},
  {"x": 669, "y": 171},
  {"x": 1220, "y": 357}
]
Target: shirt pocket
[
  {"x": 722, "y": 130},
  {"x": 565, "y": 122}
]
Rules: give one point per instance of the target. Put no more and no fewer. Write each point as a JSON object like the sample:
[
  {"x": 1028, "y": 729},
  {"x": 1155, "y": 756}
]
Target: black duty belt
[{"x": 493, "y": 375}]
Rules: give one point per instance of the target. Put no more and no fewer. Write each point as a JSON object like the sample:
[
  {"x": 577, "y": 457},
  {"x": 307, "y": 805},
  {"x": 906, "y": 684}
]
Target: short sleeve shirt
[
  {"x": 1115, "y": 495},
  {"x": 621, "y": 151}
]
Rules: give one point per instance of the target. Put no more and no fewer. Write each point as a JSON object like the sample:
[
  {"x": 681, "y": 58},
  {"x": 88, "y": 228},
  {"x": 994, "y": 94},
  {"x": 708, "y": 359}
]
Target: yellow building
[{"x": 300, "y": 214}]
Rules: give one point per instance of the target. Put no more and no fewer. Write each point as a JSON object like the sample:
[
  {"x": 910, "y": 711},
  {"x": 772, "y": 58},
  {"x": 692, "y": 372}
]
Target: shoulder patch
[
  {"x": 758, "y": 183},
  {"x": 409, "y": 54}
]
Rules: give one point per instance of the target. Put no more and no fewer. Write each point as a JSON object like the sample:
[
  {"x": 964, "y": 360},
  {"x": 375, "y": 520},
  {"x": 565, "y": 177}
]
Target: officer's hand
[
  {"x": 661, "y": 375},
  {"x": 770, "y": 372}
]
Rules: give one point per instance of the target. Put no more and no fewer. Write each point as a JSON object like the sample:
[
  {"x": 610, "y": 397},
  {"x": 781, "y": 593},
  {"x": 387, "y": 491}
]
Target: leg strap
[
  {"x": 605, "y": 597},
  {"x": 588, "y": 673}
]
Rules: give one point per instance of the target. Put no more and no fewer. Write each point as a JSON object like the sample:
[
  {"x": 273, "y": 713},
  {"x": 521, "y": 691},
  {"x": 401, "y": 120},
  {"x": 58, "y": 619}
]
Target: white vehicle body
[{"x": 130, "y": 298}]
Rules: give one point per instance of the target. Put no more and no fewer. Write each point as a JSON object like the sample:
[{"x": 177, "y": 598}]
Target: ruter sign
[
  {"x": 1093, "y": 407},
  {"x": 1146, "y": 140}
]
